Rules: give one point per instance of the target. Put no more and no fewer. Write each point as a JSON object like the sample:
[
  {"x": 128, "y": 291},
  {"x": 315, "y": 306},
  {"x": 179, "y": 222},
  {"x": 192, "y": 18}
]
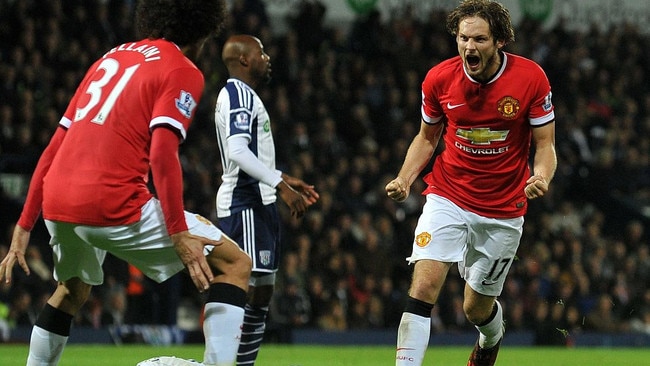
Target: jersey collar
[{"x": 504, "y": 58}]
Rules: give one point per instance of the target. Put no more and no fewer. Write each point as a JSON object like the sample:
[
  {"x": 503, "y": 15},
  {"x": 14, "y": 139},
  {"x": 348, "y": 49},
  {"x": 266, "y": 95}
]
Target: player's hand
[
  {"x": 307, "y": 190},
  {"x": 295, "y": 200},
  {"x": 19, "y": 242},
  {"x": 536, "y": 186},
  {"x": 190, "y": 250},
  {"x": 397, "y": 189}
]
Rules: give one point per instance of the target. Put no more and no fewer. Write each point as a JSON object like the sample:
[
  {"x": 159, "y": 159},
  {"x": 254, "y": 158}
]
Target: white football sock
[
  {"x": 491, "y": 333},
  {"x": 412, "y": 339},
  {"x": 45, "y": 348},
  {"x": 222, "y": 330}
]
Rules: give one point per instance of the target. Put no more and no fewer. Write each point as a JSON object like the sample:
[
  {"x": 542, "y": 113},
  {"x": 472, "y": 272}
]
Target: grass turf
[{"x": 313, "y": 355}]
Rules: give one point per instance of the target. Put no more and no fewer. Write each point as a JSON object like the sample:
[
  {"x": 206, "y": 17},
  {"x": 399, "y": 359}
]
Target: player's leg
[
  {"x": 52, "y": 327},
  {"x": 256, "y": 311},
  {"x": 76, "y": 265},
  {"x": 224, "y": 308},
  {"x": 487, "y": 315},
  {"x": 226, "y": 297},
  {"x": 485, "y": 267},
  {"x": 257, "y": 231},
  {"x": 415, "y": 325},
  {"x": 147, "y": 246},
  {"x": 440, "y": 238},
  {"x": 264, "y": 250}
]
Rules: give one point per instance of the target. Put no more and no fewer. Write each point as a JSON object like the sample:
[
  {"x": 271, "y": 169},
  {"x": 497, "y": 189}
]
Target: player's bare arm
[
  {"x": 417, "y": 156},
  {"x": 544, "y": 162},
  {"x": 19, "y": 242}
]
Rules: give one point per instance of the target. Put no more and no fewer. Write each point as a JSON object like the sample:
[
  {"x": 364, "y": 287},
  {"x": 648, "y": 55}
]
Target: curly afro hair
[
  {"x": 495, "y": 14},
  {"x": 183, "y": 22}
]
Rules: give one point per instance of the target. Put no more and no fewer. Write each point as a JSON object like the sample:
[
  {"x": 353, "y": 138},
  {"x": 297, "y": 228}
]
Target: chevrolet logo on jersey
[{"x": 482, "y": 135}]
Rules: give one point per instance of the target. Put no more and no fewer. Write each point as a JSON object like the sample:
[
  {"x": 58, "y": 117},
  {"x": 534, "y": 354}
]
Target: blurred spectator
[
  {"x": 92, "y": 314},
  {"x": 393, "y": 301},
  {"x": 104, "y": 310},
  {"x": 641, "y": 322},
  {"x": 290, "y": 308},
  {"x": 37, "y": 265},
  {"x": 115, "y": 306},
  {"x": 602, "y": 318},
  {"x": 21, "y": 311},
  {"x": 334, "y": 319},
  {"x": 548, "y": 331},
  {"x": 319, "y": 299},
  {"x": 138, "y": 298}
]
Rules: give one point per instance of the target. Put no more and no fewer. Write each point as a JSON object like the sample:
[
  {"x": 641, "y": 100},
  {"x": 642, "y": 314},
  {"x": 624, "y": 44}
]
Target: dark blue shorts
[{"x": 257, "y": 231}]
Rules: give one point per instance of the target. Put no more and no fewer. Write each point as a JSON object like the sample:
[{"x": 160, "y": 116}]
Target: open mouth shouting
[{"x": 473, "y": 63}]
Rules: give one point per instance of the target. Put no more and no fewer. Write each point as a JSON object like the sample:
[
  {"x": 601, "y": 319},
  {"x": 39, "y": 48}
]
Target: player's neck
[
  {"x": 494, "y": 68},
  {"x": 244, "y": 78}
]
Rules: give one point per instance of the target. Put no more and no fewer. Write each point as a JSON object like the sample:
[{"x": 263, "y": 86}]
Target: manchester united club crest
[
  {"x": 203, "y": 220},
  {"x": 508, "y": 107},
  {"x": 422, "y": 239}
]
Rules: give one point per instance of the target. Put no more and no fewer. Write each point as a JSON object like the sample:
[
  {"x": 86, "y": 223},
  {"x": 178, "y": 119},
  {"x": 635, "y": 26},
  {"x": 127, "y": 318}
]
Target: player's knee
[
  {"x": 475, "y": 313},
  {"x": 473, "y": 317},
  {"x": 425, "y": 291},
  {"x": 237, "y": 266}
]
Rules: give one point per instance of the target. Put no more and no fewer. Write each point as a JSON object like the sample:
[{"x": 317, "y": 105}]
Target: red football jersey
[
  {"x": 484, "y": 165},
  {"x": 99, "y": 175}
]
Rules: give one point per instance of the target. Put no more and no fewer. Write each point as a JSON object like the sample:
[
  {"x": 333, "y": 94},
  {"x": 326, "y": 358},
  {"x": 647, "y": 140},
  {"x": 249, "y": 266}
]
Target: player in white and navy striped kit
[{"x": 246, "y": 199}]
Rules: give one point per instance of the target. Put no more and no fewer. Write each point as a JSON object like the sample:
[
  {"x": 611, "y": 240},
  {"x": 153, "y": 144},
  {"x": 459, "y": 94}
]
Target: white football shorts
[
  {"x": 483, "y": 247},
  {"x": 80, "y": 250}
]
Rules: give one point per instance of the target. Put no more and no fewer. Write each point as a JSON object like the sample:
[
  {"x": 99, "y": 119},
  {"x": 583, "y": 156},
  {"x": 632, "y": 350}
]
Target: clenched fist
[{"x": 397, "y": 189}]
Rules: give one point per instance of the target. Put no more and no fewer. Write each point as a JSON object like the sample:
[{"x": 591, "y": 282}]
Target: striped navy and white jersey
[{"x": 240, "y": 111}]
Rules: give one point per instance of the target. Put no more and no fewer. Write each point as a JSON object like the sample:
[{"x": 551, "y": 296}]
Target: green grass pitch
[{"x": 312, "y": 355}]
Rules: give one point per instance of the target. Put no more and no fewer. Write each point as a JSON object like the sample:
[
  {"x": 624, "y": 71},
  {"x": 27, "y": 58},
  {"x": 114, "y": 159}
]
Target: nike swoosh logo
[
  {"x": 452, "y": 106},
  {"x": 488, "y": 282}
]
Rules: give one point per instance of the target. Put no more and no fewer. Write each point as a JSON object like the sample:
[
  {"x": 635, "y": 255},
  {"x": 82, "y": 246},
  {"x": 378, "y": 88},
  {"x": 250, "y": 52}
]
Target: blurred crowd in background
[{"x": 344, "y": 104}]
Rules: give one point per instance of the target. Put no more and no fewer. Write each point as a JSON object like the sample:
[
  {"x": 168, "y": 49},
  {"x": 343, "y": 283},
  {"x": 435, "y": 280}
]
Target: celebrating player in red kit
[{"x": 490, "y": 104}]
